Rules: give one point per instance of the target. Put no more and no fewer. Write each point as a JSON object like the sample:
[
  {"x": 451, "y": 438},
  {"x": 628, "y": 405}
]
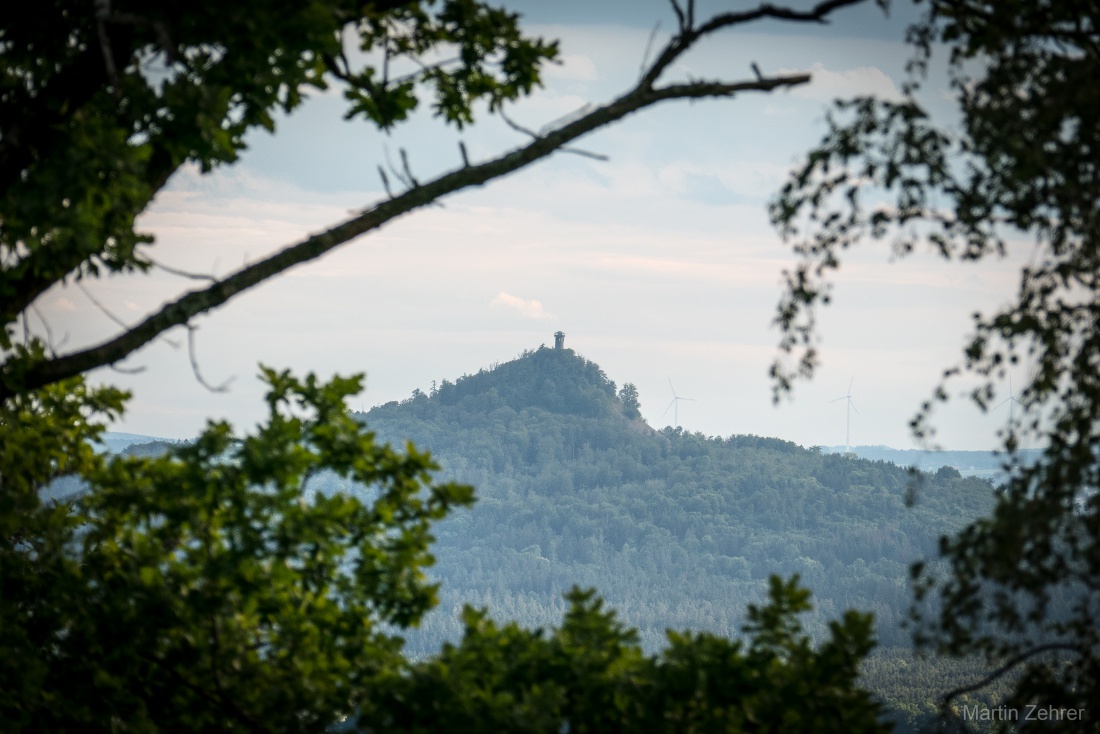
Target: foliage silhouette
[{"x": 1015, "y": 171}]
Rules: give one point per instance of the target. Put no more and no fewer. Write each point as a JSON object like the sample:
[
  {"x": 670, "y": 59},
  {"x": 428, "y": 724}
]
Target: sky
[{"x": 659, "y": 264}]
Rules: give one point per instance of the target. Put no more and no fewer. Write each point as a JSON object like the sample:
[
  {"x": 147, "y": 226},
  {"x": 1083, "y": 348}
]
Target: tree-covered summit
[
  {"x": 677, "y": 530},
  {"x": 553, "y": 380}
]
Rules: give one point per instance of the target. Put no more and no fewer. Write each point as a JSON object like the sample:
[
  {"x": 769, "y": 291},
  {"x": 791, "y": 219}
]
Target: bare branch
[
  {"x": 181, "y": 273},
  {"x": 649, "y": 47},
  {"x": 386, "y": 64},
  {"x": 191, "y": 329},
  {"x": 681, "y": 21},
  {"x": 405, "y": 166},
  {"x": 424, "y": 69},
  {"x": 945, "y": 702},
  {"x": 817, "y": 14},
  {"x": 586, "y": 153},
  {"x": 396, "y": 172},
  {"x": 689, "y": 34},
  {"x": 50, "y": 346},
  {"x": 332, "y": 65},
  {"x": 16, "y": 378},
  {"x": 516, "y": 126},
  {"x": 465, "y": 158},
  {"x": 385, "y": 181},
  {"x": 127, "y": 370},
  {"x": 564, "y": 149},
  {"x": 104, "y": 15},
  {"x": 409, "y": 179},
  {"x": 98, "y": 304},
  {"x": 102, "y": 11},
  {"x": 95, "y": 302},
  {"x": 196, "y": 302},
  {"x": 566, "y": 118}
]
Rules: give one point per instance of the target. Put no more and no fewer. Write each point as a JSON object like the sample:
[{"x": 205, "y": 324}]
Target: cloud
[
  {"x": 530, "y": 309},
  {"x": 725, "y": 180},
  {"x": 574, "y": 67},
  {"x": 827, "y": 85},
  {"x": 63, "y": 304}
]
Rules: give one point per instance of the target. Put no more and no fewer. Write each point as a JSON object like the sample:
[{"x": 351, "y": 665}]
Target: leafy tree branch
[
  {"x": 23, "y": 374},
  {"x": 1019, "y": 170}
]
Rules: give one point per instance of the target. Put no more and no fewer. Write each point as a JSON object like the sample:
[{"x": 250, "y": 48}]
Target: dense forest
[{"x": 675, "y": 529}]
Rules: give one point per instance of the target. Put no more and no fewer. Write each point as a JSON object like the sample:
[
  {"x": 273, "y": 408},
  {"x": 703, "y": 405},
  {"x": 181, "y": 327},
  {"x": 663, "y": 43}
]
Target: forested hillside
[{"x": 675, "y": 529}]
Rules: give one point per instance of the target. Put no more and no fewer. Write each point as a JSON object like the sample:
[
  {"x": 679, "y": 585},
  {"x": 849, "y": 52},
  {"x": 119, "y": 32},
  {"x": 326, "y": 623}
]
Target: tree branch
[
  {"x": 181, "y": 273},
  {"x": 564, "y": 149},
  {"x": 948, "y": 697},
  {"x": 16, "y": 378},
  {"x": 224, "y": 386},
  {"x": 196, "y": 302},
  {"x": 689, "y": 35}
]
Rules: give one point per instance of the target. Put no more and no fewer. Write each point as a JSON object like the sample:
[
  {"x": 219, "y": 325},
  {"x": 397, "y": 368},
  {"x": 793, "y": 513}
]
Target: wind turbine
[
  {"x": 848, "y": 419},
  {"x": 675, "y": 404},
  {"x": 1010, "y": 400}
]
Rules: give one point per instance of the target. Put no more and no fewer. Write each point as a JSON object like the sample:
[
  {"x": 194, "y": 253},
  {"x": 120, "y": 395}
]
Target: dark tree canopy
[
  {"x": 591, "y": 674},
  {"x": 98, "y": 109},
  {"x": 210, "y": 589},
  {"x": 1018, "y": 172}
]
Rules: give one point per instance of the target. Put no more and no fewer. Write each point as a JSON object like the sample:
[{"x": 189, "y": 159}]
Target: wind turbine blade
[
  {"x": 853, "y": 405},
  {"x": 691, "y": 399},
  {"x": 850, "y": 383},
  {"x": 673, "y": 389},
  {"x": 669, "y": 407},
  {"x": 842, "y": 397}
]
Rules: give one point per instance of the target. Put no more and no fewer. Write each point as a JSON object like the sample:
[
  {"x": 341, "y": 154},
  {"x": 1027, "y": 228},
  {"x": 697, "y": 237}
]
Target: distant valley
[{"x": 985, "y": 464}]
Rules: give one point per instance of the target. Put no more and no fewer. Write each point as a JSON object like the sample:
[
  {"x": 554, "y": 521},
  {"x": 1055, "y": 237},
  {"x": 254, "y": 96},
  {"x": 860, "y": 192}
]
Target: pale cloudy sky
[{"x": 657, "y": 264}]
